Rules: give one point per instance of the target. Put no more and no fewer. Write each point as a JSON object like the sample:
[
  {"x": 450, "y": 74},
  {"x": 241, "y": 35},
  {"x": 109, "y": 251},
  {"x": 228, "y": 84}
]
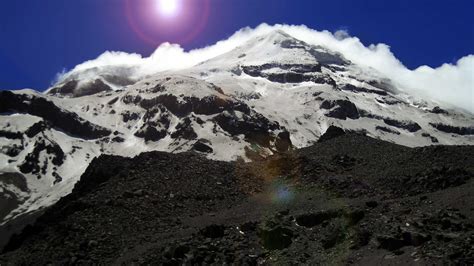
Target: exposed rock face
[
  {"x": 433, "y": 139},
  {"x": 234, "y": 117},
  {"x": 283, "y": 142},
  {"x": 149, "y": 133},
  {"x": 201, "y": 146},
  {"x": 383, "y": 84},
  {"x": 57, "y": 117},
  {"x": 434, "y": 179},
  {"x": 310, "y": 220},
  {"x": 74, "y": 89},
  {"x": 332, "y": 132},
  {"x": 407, "y": 125},
  {"x": 295, "y": 68},
  {"x": 321, "y": 54},
  {"x": 9, "y": 200},
  {"x": 274, "y": 235},
  {"x": 184, "y": 130},
  {"x": 350, "y": 87},
  {"x": 37, "y": 128},
  {"x": 66, "y": 89},
  {"x": 12, "y": 150},
  {"x": 453, "y": 129},
  {"x": 439, "y": 110},
  {"x": 388, "y": 130},
  {"x": 256, "y": 129},
  {"x": 32, "y": 163},
  {"x": 205, "y": 106},
  {"x": 289, "y": 73},
  {"x": 10, "y": 135},
  {"x": 127, "y": 116},
  {"x": 388, "y": 101},
  {"x": 341, "y": 109}
]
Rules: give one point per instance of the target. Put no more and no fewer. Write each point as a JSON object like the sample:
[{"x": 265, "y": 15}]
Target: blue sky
[{"x": 40, "y": 38}]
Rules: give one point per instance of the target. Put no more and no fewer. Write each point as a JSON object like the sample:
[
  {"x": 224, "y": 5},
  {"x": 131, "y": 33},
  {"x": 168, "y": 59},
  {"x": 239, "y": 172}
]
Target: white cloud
[
  {"x": 341, "y": 34},
  {"x": 451, "y": 84}
]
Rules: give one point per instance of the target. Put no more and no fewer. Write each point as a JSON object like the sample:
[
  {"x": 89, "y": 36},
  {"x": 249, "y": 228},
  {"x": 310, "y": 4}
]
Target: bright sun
[{"x": 168, "y": 8}]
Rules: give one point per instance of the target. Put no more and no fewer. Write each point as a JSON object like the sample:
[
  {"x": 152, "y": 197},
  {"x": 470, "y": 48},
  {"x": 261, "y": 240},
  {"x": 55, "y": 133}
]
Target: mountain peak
[
  {"x": 271, "y": 94},
  {"x": 277, "y": 35},
  {"x": 276, "y": 46}
]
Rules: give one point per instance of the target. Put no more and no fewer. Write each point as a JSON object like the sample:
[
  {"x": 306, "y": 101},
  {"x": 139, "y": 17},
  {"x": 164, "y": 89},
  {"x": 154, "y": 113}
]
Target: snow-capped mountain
[{"x": 272, "y": 94}]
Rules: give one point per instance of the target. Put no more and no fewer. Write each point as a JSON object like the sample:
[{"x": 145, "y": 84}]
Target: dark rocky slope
[{"x": 347, "y": 199}]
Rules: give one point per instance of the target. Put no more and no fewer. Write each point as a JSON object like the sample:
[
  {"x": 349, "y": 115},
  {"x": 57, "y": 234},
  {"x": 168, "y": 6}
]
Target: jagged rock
[
  {"x": 408, "y": 125},
  {"x": 11, "y": 135},
  {"x": 333, "y": 237},
  {"x": 127, "y": 116},
  {"x": 57, "y": 117},
  {"x": 113, "y": 101},
  {"x": 385, "y": 85},
  {"x": 439, "y": 110},
  {"x": 388, "y": 100},
  {"x": 313, "y": 219},
  {"x": 12, "y": 151},
  {"x": 436, "y": 178},
  {"x": 275, "y": 236},
  {"x": 36, "y": 129},
  {"x": 390, "y": 243},
  {"x": 332, "y": 132},
  {"x": 388, "y": 130},
  {"x": 352, "y": 88},
  {"x": 341, "y": 109},
  {"x": 256, "y": 128},
  {"x": 200, "y": 146},
  {"x": 118, "y": 140},
  {"x": 67, "y": 88},
  {"x": 150, "y": 133},
  {"x": 295, "y": 68},
  {"x": 213, "y": 231},
  {"x": 415, "y": 239},
  {"x": 184, "y": 130},
  {"x": 433, "y": 139},
  {"x": 453, "y": 129},
  {"x": 74, "y": 89},
  {"x": 293, "y": 73},
  {"x": 10, "y": 182},
  {"x": 321, "y": 54},
  {"x": 283, "y": 141},
  {"x": 182, "y": 108},
  {"x": 32, "y": 163}
]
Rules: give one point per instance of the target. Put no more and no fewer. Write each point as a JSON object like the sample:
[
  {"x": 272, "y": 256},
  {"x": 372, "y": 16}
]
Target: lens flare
[
  {"x": 174, "y": 21},
  {"x": 281, "y": 193},
  {"x": 168, "y": 8}
]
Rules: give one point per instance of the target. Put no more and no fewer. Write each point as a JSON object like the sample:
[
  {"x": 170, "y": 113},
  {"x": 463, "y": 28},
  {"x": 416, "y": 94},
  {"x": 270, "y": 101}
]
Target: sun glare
[
  {"x": 168, "y": 8},
  {"x": 176, "y": 21}
]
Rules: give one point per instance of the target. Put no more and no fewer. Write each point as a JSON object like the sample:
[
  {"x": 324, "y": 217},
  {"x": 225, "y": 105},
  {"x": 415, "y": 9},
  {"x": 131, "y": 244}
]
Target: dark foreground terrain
[{"x": 346, "y": 200}]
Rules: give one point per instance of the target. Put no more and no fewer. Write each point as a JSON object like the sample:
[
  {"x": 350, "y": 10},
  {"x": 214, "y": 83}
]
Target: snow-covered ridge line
[{"x": 449, "y": 84}]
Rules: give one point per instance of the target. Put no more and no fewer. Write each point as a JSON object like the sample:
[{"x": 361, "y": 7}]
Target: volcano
[{"x": 277, "y": 151}]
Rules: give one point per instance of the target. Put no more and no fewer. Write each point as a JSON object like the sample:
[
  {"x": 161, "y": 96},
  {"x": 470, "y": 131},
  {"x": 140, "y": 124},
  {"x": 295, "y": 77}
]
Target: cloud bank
[{"x": 449, "y": 84}]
